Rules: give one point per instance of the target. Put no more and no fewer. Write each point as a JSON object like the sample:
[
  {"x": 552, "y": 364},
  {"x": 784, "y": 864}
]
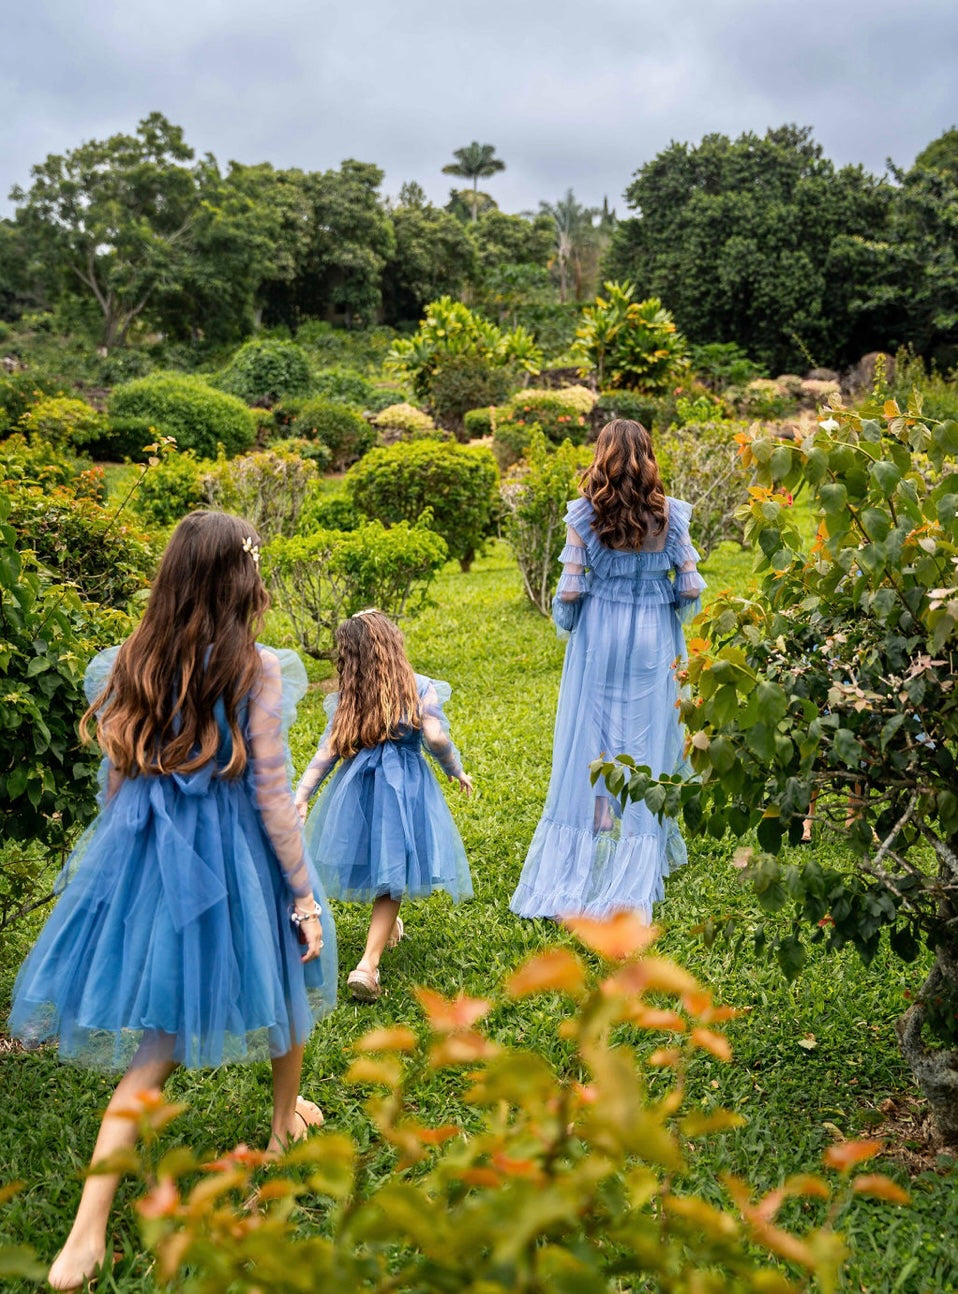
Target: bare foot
[
  {"x": 306, "y": 1115},
  {"x": 76, "y": 1264}
]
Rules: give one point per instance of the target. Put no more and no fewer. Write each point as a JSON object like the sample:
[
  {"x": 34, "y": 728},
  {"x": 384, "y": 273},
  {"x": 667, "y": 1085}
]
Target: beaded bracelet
[{"x": 298, "y": 918}]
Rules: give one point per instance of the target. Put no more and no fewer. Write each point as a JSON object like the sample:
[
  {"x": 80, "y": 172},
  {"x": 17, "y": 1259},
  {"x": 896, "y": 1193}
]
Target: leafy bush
[
  {"x": 48, "y": 783},
  {"x": 455, "y": 338},
  {"x": 567, "y": 1178},
  {"x": 267, "y": 489},
  {"x": 324, "y": 511},
  {"x": 534, "y": 497},
  {"x": 80, "y": 543},
  {"x": 405, "y": 422},
  {"x": 722, "y": 364},
  {"x": 345, "y": 433},
  {"x": 265, "y": 370},
  {"x": 562, "y": 413},
  {"x": 363, "y": 349},
  {"x": 763, "y": 399},
  {"x": 702, "y": 464},
  {"x": 479, "y": 423},
  {"x": 20, "y": 392},
  {"x": 318, "y": 580},
  {"x": 62, "y": 422},
  {"x": 171, "y": 489},
  {"x": 38, "y": 464},
  {"x": 939, "y": 392},
  {"x": 122, "y": 438},
  {"x": 510, "y": 441},
  {"x": 837, "y": 682},
  {"x": 456, "y": 482},
  {"x": 314, "y": 450},
  {"x": 348, "y": 386},
  {"x": 629, "y": 343},
  {"x": 627, "y": 404},
  {"x": 188, "y": 409}
]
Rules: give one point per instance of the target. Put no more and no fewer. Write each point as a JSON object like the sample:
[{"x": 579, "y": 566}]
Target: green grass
[{"x": 503, "y": 662}]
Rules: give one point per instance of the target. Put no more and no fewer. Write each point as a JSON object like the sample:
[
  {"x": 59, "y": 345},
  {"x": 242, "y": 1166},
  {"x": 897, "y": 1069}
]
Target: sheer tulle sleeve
[
  {"x": 573, "y": 583},
  {"x": 689, "y": 585},
  {"x": 94, "y": 681},
  {"x": 435, "y": 726},
  {"x": 270, "y": 713},
  {"x": 322, "y": 762}
]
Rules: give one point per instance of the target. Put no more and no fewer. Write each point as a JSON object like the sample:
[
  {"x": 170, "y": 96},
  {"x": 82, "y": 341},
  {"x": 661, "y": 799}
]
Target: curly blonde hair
[
  {"x": 377, "y": 685},
  {"x": 624, "y": 486}
]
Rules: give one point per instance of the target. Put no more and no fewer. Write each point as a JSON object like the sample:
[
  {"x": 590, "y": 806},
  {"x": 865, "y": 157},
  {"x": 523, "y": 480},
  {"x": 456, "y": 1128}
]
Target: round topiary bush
[
  {"x": 196, "y": 415},
  {"x": 405, "y": 422},
  {"x": 344, "y": 432},
  {"x": 456, "y": 483},
  {"x": 62, "y": 422},
  {"x": 265, "y": 370}
]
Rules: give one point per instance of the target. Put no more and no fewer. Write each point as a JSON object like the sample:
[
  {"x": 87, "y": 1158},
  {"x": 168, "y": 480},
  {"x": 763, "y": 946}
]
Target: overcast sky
[{"x": 571, "y": 94}]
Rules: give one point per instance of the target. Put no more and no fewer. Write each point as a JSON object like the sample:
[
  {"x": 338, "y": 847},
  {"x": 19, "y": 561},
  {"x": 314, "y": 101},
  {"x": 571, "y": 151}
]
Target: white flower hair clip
[{"x": 253, "y": 549}]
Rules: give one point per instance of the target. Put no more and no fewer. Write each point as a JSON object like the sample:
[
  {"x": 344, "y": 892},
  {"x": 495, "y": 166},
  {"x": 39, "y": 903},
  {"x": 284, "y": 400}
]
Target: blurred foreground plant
[{"x": 565, "y": 1181}]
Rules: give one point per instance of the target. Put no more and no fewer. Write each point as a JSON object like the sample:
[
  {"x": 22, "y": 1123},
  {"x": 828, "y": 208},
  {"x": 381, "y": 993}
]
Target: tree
[
  {"x": 835, "y": 687},
  {"x": 117, "y": 217},
  {"x": 941, "y": 155},
  {"x": 434, "y": 256},
  {"x": 740, "y": 238},
  {"x": 575, "y": 232},
  {"x": 475, "y": 162}
]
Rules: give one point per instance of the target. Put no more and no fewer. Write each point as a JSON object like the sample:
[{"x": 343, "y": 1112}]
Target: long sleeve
[
  {"x": 322, "y": 762},
  {"x": 689, "y": 585},
  {"x": 573, "y": 583},
  {"x": 435, "y": 728},
  {"x": 270, "y": 775}
]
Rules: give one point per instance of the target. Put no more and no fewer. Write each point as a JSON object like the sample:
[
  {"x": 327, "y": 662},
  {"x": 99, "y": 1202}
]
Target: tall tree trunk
[{"x": 475, "y": 197}]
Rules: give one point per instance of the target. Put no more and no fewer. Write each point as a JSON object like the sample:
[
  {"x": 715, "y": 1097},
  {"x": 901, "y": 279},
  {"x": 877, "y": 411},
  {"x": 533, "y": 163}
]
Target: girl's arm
[
  {"x": 572, "y": 582},
  {"x": 436, "y": 739},
  {"x": 271, "y": 780},
  {"x": 318, "y": 768},
  {"x": 689, "y": 585}
]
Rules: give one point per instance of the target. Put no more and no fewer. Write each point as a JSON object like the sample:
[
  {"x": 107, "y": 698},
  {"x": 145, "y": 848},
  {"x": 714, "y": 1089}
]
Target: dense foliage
[
  {"x": 629, "y": 343},
  {"x": 188, "y": 409},
  {"x": 265, "y": 370},
  {"x": 268, "y": 489},
  {"x": 455, "y": 483},
  {"x": 345, "y": 433}
]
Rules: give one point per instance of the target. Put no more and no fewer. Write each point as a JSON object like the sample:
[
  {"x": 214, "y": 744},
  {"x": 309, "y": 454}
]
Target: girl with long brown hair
[
  {"x": 629, "y": 580},
  {"x": 382, "y": 830},
  {"x": 191, "y": 926}
]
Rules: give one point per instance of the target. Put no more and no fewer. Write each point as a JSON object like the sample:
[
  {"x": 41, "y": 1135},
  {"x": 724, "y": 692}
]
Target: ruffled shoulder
[
  {"x": 330, "y": 704},
  {"x": 293, "y": 682},
  {"x": 98, "y": 672},
  {"x": 441, "y": 689},
  {"x": 680, "y": 515},
  {"x": 579, "y": 515}
]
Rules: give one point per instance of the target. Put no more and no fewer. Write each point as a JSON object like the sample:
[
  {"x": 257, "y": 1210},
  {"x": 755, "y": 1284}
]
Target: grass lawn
[{"x": 814, "y": 1060}]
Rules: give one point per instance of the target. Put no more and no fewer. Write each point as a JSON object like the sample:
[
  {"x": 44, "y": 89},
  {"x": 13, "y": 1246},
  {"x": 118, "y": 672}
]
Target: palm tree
[
  {"x": 475, "y": 162},
  {"x": 575, "y": 230}
]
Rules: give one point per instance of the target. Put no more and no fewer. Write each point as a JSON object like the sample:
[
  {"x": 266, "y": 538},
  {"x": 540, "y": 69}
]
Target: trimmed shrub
[
  {"x": 702, "y": 464},
  {"x": 314, "y": 450},
  {"x": 534, "y": 500},
  {"x": 479, "y": 423},
  {"x": 123, "y": 438},
  {"x": 319, "y": 580},
  {"x": 465, "y": 381},
  {"x": 197, "y": 416},
  {"x": 405, "y": 422},
  {"x": 349, "y": 386},
  {"x": 267, "y": 489},
  {"x": 562, "y": 413},
  {"x": 265, "y": 370},
  {"x": 456, "y": 482},
  {"x": 509, "y": 442},
  {"x": 325, "y": 511},
  {"x": 345, "y": 433},
  {"x": 62, "y": 422},
  {"x": 626, "y": 404},
  {"x": 79, "y": 542},
  {"x": 170, "y": 489}
]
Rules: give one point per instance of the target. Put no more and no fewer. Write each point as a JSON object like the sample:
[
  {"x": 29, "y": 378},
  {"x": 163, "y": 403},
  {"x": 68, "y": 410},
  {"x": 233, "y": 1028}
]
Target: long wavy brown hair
[
  {"x": 195, "y": 645},
  {"x": 377, "y": 686},
  {"x": 624, "y": 486}
]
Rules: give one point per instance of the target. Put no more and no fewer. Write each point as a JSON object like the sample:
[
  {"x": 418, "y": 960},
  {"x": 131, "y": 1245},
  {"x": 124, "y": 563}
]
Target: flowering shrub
[
  {"x": 568, "y": 1179},
  {"x": 321, "y": 579},
  {"x": 405, "y": 422},
  {"x": 268, "y": 489},
  {"x": 562, "y": 413}
]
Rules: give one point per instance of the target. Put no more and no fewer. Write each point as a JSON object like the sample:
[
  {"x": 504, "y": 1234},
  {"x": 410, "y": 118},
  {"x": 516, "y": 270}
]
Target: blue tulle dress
[
  {"x": 171, "y": 938},
  {"x": 382, "y": 825},
  {"x": 623, "y": 612}
]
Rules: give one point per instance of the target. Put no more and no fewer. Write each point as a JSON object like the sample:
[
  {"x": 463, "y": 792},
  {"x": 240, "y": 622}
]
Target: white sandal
[{"x": 364, "y": 985}]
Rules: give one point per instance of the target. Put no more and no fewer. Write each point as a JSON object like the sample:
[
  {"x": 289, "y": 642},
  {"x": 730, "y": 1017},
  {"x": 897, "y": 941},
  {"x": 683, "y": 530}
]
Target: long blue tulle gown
[
  {"x": 623, "y": 612},
  {"x": 382, "y": 825},
  {"x": 171, "y": 938}
]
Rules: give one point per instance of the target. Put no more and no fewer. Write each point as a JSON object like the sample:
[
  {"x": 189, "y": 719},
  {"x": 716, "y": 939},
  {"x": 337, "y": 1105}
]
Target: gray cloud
[{"x": 569, "y": 94}]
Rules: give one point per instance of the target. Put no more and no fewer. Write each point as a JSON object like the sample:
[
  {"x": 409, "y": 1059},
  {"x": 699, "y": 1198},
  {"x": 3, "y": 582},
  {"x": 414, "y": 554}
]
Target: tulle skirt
[
  {"x": 382, "y": 826},
  {"x": 171, "y": 938}
]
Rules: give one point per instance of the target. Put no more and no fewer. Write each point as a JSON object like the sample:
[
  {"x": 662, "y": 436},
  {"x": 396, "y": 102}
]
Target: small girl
[
  {"x": 382, "y": 829},
  {"x": 188, "y": 931}
]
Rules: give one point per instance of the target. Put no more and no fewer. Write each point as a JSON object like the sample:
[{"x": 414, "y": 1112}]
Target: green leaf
[
  {"x": 791, "y": 956},
  {"x": 847, "y": 748}
]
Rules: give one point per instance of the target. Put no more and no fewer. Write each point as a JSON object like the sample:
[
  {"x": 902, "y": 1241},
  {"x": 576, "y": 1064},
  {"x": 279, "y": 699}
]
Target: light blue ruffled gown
[
  {"x": 171, "y": 936},
  {"x": 382, "y": 825},
  {"x": 590, "y": 855}
]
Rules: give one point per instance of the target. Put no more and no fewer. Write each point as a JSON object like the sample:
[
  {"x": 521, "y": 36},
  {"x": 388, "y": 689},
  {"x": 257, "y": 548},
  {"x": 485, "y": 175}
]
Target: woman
[{"x": 629, "y": 580}]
